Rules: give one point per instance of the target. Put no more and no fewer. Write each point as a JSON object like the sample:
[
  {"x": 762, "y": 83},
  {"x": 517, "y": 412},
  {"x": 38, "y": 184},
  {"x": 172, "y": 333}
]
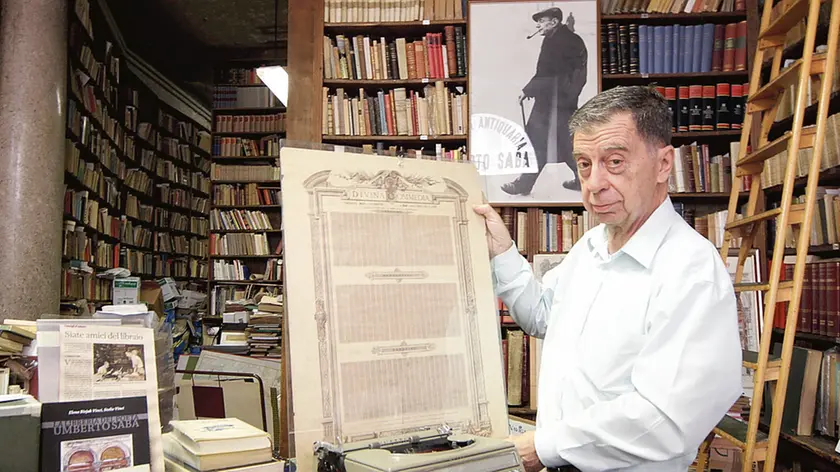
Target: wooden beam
[{"x": 306, "y": 26}]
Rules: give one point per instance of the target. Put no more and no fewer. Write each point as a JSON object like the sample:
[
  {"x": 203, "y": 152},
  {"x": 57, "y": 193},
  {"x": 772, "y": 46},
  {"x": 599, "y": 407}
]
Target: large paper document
[
  {"x": 112, "y": 362},
  {"x": 392, "y": 321}
]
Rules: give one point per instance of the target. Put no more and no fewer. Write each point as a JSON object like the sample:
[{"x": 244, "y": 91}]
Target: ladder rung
[
  {"x": 751, "y": 287},
  {"x": 782, "y": 293},
  {"x": 735, "y": 431},
  {"x": 738, "y": 227},
  {"x": 749, "y": 359},
  {"x": 787, "y": 20},
  {"x": 778, "y": 145},
  {"x": 785, "y": 79}
]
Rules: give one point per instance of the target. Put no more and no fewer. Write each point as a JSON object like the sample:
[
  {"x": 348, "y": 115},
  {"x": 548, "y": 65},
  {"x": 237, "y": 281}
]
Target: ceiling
[{"x": 184, "y": 39}]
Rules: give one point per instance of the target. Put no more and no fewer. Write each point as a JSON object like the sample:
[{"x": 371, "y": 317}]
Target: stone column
[{"x": 33, "y": 71}]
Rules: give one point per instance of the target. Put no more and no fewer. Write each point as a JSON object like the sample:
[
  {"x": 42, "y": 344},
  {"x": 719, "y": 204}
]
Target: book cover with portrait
[{"x": 97, "y": 435}]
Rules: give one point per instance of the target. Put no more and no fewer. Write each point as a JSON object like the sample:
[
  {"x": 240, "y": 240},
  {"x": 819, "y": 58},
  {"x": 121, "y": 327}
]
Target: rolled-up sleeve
[{"x": 687, "y": 376}]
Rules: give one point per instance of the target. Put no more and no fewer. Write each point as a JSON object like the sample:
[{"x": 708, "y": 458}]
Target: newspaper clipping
[{"x": 112, "y": 362}]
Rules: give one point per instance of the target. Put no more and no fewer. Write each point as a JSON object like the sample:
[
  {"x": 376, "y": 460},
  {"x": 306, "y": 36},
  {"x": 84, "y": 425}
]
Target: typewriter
[{"x": 426, "y": 450}]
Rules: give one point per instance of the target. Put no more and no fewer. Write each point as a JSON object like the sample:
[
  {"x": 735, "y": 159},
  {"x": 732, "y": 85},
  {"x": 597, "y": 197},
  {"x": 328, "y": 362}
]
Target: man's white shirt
[{"x": 641, "y": 354}]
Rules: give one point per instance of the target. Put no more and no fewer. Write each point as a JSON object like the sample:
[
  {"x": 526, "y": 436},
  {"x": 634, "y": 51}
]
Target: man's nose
[{"x": 597, "y": 181}]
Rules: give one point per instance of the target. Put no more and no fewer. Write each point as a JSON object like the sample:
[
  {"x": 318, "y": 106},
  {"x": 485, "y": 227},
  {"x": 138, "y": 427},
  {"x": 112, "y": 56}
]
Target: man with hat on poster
[{"x": 555, "y": 87}]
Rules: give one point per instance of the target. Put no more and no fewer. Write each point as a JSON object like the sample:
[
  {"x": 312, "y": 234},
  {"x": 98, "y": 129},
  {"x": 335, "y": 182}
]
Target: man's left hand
[{"x": 527, "y": 451}]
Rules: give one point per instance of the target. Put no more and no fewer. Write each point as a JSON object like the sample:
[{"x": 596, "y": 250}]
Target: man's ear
[{"x": 664, "y": 163}]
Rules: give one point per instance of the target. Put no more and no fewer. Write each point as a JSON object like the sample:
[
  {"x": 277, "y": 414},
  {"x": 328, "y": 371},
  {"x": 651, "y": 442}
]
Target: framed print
[
  {"x": 532, "y": 64},
  {"x": 545, "y": 262}
]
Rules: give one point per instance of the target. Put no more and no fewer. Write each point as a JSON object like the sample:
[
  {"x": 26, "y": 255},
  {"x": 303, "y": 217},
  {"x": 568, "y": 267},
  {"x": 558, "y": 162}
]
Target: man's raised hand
[{"x": 498, "y": 238}]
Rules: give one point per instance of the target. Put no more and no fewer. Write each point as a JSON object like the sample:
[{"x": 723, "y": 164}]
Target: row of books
[
  {"x": 244, "y": 172},
  {"x": 555, "y": 232},
  {"x": 274, "y": 123},
  {"x": 79, "y": 282},
  {"x": 434, "y": 56},
  {"x": 245, "y": 195},
  {"x": 435, "y": 111},
  {"x": 243, "y": 244},
  {"x": 239, "y": 220},
  {"x": 819, "y": 305},
  {"x": 673, "y": 49},
  {"x": 695, "y": 170},
  {"x": 775, "y": 166},
  {"x": 385, "y": 11},
  {"x": 245, "y": 147},
  {"x": 239, "y": 270},
  {"x": 612, "y": 7},
  {"x": 180, "y": 267},
  {"x": 706, "y": 107}
]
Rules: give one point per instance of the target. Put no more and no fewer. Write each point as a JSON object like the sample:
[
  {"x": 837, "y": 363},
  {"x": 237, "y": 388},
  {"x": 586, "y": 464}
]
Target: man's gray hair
[{"x": 648, "y": 108}]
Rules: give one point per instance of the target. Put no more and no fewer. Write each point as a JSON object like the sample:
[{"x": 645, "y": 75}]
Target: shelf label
[
  {"x": 338, "y": 148},
  {"x": 645, "y": 76},
  {"x": 835, "y": 246},
  {"x": 426, "y": 22},
  {"x": 424, "y": 80},
  {"x": 423, "y": 137},
  {"x": 645, "y": 16}
]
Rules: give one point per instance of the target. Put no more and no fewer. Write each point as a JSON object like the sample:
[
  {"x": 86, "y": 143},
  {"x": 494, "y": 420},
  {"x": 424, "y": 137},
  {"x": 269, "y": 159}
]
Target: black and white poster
[{"x": 532, "y": 64}]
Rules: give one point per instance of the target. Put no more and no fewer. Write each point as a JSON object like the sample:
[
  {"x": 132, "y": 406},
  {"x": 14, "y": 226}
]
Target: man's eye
[
  {"x": 615, "y": 162},
  {"x": 582, "y": 165}
]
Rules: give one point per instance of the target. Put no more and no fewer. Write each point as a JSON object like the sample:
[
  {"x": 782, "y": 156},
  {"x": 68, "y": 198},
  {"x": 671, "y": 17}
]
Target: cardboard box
[
  {"x": 126, "y": 290},
  {"x": 151, "y": 294},
  {"x": 168, "y": 289}
]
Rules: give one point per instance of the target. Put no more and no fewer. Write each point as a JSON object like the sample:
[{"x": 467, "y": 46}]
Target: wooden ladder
[{"x": 763, "y": 101}]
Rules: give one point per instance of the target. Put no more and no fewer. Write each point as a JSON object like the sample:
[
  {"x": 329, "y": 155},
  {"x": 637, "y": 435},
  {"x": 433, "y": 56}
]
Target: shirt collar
[{"x": 643, "y": 245}]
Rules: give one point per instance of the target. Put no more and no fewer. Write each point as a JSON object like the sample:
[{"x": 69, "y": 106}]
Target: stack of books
[
  {"x": 226, "y": 444},
  {"x": 13, "y": 339},
  {"x": 264, "y": 328}
]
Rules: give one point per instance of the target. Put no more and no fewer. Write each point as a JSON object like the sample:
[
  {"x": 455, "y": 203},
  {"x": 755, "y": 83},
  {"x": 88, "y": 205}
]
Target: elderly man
[{"x": 641, "y": 353}]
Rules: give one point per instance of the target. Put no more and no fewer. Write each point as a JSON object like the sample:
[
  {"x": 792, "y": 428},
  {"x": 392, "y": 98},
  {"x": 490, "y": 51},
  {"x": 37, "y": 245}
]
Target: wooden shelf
[
  {"x": 731, "y": 133},
  {"x": 683, "y": 18},
  {"x": 365, "y": 139},
  {"x": 264, "y": 283},
  {"x": 241, "y": 158},
  {"x": 821, "y": 249},
  {"x": 236, "y": 110},
  {"x": 271, "y": 256},
  {"x": 247, "y": 207},
  {"x": 827, "y": 177},
  {"x": 521, "y": 410},
  {"x": 247, "y": 133},
  {"x": 239, "y": 85},
  {"x": 820, "y": 338},
  {"x": 258, "y": 182},
  {"x": 719, "y": 196},
  {"x": 689, "y": 75},
  {"x": 397, "y": 25},
  {"x": 391, "y": 83},
  {"x": 246, "y": 231},
  {"x": 819, "y": 445}
]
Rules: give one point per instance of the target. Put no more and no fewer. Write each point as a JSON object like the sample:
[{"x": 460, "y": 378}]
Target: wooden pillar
[
  {"x": 305, "y": 64},
  {"x": 303, "y": 123}
]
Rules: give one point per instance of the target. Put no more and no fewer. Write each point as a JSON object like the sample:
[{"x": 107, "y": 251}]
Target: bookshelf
[
  {"x": 395, "y": 80},
  {"x": 246, "y": 204},
  {"x": 136, "y": 171}
]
